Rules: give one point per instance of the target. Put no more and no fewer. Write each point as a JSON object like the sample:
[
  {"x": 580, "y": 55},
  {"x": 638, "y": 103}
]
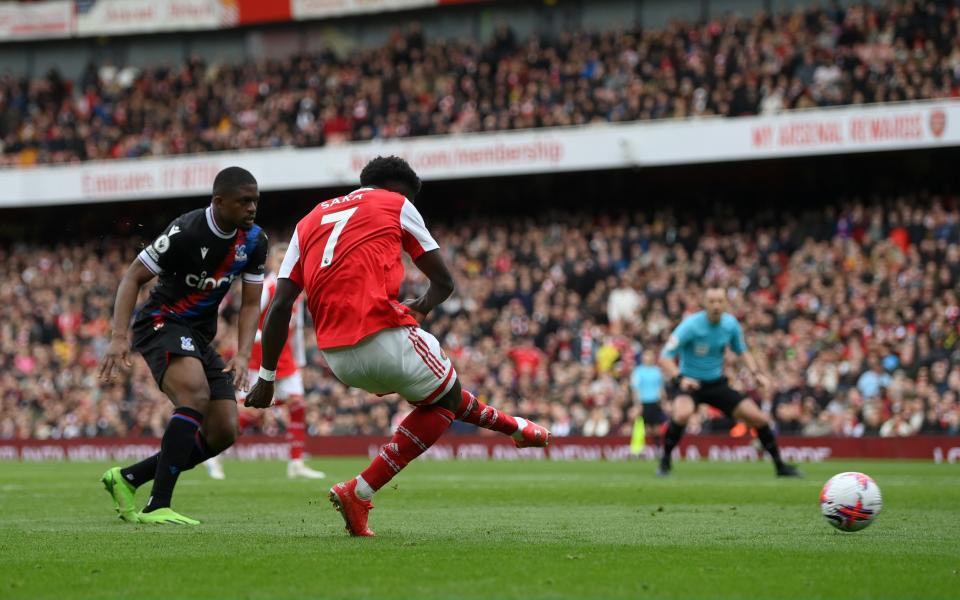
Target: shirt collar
[{"x": 212, "y": 224}]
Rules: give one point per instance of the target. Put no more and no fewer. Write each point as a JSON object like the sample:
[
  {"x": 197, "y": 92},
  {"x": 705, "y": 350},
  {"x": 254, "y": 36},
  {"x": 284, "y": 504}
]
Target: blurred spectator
[
  {"x": 874, "y": 380},
  {"x": 860, "y": 334}
]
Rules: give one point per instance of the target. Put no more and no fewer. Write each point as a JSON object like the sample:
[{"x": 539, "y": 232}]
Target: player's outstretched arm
[
  {"x": 432, "y": 265},
  {"x": 276, "y": 326},
  {"x": 246, "y": 331},
  {"x": 118, "y": 352}
]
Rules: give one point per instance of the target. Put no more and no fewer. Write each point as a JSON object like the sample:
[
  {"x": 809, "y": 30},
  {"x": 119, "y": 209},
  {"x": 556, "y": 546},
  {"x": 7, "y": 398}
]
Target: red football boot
[
  {"x": 531, "y": 435},
  {"x": 351, "y": 507}
]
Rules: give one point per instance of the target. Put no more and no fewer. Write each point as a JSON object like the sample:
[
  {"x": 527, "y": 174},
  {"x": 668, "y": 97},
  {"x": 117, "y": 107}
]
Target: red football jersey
[
  {"x": 293, "y": 355},
  {"x": 346, "y": 255}
]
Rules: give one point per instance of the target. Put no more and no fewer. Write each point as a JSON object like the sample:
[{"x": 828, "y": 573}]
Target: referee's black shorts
[
  {"x": 718, "y": 394},
  {"x": 652, "y": 413}
]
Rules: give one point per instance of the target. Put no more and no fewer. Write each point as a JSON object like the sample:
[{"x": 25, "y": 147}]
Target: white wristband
[{"x": 267, "y": 375}]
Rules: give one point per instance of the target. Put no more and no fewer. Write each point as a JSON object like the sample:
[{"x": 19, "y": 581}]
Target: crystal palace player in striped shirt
[
  {"x": 346, "y": 255},
  {"x": 195, "y": 259}
]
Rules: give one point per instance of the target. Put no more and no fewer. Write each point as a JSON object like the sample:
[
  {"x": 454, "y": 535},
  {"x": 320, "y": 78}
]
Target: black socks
[
  {"x": 770, "y": 445},
  {"x": 670, "y": 440},
  {"x": 146, "y": 469},
  {"x": 675, "y": 432},
  {"x": 142, "y": 472},
  {"x": 175, "y": 454}
]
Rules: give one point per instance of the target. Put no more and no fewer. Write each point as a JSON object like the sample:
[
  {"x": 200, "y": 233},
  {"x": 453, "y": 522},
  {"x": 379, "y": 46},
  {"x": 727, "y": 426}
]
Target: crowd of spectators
[
  {"x": 414, "y": 86},
  {"x": 852, "y": 308}
]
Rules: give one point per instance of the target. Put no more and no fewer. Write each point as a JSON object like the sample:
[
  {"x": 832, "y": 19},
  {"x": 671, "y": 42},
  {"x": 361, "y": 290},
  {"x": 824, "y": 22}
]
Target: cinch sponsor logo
[{"x": 202, "y": 282}]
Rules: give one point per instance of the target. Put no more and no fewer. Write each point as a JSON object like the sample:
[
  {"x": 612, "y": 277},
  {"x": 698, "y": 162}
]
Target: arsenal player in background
[{"x": 289, "y": 387}]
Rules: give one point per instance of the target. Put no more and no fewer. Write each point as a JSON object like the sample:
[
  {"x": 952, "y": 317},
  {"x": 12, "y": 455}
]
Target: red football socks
[
  {"x": 474, "y": 411},
  {"x": 296, "y": 428},
  {"x": 420, "y": 430}
]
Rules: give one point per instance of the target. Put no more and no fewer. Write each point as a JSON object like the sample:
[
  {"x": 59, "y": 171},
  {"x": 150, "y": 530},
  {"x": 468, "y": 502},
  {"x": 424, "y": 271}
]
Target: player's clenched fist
[{"x": 261, "y": 396}]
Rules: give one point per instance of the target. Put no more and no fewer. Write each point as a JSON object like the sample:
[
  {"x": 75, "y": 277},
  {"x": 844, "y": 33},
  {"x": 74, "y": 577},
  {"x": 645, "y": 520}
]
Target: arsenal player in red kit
[
  {"x": 289, "y": 386},
  {"x": 346, "y": 255}
]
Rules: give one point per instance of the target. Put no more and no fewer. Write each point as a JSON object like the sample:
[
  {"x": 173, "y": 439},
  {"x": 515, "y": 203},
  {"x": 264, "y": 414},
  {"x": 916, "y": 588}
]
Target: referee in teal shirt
[{"x": 700, "y": 342}]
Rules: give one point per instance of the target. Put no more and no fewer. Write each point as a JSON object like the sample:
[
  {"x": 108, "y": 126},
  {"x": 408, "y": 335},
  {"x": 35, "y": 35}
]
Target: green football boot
[
  {"x": 166, "y": 516},
  {"x": 122, "y": 493}
]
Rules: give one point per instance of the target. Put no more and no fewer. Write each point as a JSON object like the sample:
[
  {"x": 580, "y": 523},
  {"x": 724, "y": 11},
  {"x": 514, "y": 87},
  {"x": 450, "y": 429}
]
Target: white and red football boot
[
  {"x": 531, "y": 435},
  {"x": 354, "y": 509}
]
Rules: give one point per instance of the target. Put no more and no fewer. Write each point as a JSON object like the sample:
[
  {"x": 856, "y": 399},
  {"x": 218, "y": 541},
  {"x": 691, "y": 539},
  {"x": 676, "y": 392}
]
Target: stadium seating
[
  {"x": 853, "y": 309},
  {"x": 414, "y": 86}
]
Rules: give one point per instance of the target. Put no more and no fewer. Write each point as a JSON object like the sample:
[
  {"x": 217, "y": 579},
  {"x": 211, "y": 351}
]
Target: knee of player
[
  {"x": 194, "y": 396},
  {"x": 228, "y": 438},
  {"x": 758, "y": 420},
  {"x": 683, "y": 408},
  {"x": 221, "y": 438}
]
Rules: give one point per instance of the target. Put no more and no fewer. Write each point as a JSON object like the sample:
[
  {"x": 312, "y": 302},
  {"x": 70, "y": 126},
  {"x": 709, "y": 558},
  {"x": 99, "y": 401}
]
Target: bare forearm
[
  {"x": 124, "y": 304},
  {"x": 441, "y": 282},
  {"x": 247, "y": 328},
  {"x": 275, "y": 329},
  {"x": 751, "y": 363},
  {"x": 670, "y": 368},
  {"x": 435, "y": 295}
]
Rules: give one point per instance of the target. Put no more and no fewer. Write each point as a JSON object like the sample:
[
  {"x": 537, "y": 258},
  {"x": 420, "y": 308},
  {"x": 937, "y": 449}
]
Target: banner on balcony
[
  {"x": 875, "y": 128},
  {"x": 36, "y": 21},
  {"x": 113, "y": 17}
]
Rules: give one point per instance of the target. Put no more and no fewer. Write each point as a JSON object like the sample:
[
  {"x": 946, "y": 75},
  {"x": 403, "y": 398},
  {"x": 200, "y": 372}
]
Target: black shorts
[
  {"x": 652, "y": 413},
  {"x": 718, "y": 394},
  {"x": 157, "y": 345}
]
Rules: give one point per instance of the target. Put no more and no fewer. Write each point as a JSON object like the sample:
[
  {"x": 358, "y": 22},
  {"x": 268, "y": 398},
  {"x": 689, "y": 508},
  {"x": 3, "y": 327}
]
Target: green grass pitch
[{"x": 486, "y": 530}]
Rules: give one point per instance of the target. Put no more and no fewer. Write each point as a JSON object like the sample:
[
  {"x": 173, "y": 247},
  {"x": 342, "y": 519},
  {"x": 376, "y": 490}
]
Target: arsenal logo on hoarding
[{"x": 938, "y": 122}]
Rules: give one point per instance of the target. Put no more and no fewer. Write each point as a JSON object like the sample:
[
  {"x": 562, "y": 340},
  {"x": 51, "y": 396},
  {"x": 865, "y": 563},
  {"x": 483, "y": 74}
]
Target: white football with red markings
[{"x": 850, "y": 501}]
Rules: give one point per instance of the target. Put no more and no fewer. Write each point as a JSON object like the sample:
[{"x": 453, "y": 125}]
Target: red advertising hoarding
[
  {"x": 940, "y": 449},
  {"x": 258, "y": 11}
]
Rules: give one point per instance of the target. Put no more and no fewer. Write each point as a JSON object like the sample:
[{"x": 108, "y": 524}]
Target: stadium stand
[
  {"x": 414, "y": 86},
  {"x": 854, "y": 309}
]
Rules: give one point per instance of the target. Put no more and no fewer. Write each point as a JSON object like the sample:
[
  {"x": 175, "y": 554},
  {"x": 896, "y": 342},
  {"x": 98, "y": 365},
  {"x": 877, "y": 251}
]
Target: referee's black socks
[
  {"x": 670, "y": 440},
  {"x": 175, "y": 449},
  {"x": 770, "y": 445}
]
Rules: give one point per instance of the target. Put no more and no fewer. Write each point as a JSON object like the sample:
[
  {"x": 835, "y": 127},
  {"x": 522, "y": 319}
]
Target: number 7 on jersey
[{"x": 340, "y": 218}]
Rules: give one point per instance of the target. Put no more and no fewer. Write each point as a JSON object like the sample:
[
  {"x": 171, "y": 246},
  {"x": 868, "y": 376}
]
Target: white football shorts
[{"x": 402, "y": 360}]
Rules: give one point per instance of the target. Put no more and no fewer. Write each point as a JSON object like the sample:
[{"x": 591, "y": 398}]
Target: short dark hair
[
  {"x": 384, "y": 169},
  {"x": 230, "y": 179}
]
